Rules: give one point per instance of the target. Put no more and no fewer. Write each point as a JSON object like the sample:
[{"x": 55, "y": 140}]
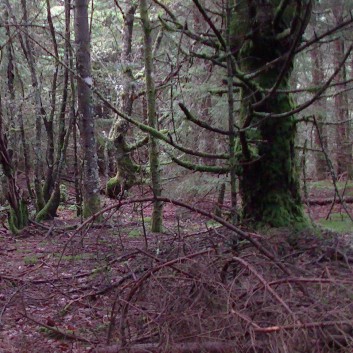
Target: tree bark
[
  {"x": 91, "y": 187},
  {"x": 269, "y": 180},
  {"x": 321, "y": 168},
  {"x": 343, "y": 142},
  {"x": 157, "y": 215},
  {"x": 39, "y": 110},
  {"x": 126, "y": 175},
  {"x": 51, "y": 187},
  {"x": 18, "y": 215}
]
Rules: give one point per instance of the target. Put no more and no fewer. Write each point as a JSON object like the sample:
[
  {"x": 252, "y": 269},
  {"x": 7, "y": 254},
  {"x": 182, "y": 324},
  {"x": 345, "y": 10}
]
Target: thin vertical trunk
[
  {"x": 40, "y": 113},
  {"x": 53, "y": 183},
  {"x": 157, "y": 216},
  {"x": 126, "y": 60},
  {"x": 231, "y": 120},
  {"x": 91, "y": 187},
  {"x": 321, "y": 168},
  {"x": 49, "y": 122},
  {"x": 343, "y": 142},
  {"x": 12, "y": 93},
  {"x": 126, "y": 174}
]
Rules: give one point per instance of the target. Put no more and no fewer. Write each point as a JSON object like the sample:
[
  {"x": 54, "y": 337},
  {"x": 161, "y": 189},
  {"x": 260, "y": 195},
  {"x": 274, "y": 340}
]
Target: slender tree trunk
[
  {"x": 269, "y": 180},
  {"x": 343, "y": 141},
  {"x": 56, "y": 161},
  {"x": 12, "y": 94},
  {"x": 231, "y": 120},
  {"x": 91, "y": 187},
  {"x": 126, "y": 60},
  {"x": 321, "y": 168},
  {"x": 40, "y": 113},
  {"x": 54, "y": 178},
  {"x": 157, "y": 216},
  {"x": 126, "y": 175}
]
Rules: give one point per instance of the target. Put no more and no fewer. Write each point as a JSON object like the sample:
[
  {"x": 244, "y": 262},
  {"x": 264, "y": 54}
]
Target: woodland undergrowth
[{"x": 200, "y": 286}]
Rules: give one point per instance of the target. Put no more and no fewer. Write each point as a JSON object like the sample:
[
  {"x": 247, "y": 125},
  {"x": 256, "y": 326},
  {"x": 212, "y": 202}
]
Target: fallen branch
[
  {"x": 271, "y": 329},
  {"x": 59, "y": 332},
  {"x": 188, "y": 347}
]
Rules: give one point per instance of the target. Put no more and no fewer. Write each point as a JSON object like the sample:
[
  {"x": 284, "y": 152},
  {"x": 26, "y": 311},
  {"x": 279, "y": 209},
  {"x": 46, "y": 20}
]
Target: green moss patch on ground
[{"x": 338, "y": 222}]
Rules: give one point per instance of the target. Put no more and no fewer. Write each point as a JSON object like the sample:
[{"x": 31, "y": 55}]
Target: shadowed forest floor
[{"x": 194, "y": 288}]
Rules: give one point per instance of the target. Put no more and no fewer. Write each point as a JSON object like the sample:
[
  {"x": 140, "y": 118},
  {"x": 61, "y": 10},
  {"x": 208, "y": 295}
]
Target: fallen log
[{"x": 328, "y": 201}]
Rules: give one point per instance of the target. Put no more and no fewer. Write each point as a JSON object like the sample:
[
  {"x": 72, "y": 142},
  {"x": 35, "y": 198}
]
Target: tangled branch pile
[{"x": 203, "y": 294}]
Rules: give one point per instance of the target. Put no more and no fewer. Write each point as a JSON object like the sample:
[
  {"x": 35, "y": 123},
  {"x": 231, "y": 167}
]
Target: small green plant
[
  {"x": 134, "y": 233},
  {"x": 147, "y": 219},
  {"x": 31, "y": 260},
  {"x": 72, "y": 208},
  {"x": 63, "y": 193},
  {"x": 77, "y": 257},
  {"x": 212, "y": 224}
]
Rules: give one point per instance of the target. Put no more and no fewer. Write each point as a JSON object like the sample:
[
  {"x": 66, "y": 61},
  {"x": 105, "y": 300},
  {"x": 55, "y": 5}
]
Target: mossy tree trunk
[
  {"x": 91, "y": 187},
  {"x": 269, "y": 180},
  {"x": 18, "y": 215},
  {"x": 51, "y": 187},
  {"x": 127, "y": 170},
  {"x": 157, "y": 215},
  {"x": 28, "y": 50}
]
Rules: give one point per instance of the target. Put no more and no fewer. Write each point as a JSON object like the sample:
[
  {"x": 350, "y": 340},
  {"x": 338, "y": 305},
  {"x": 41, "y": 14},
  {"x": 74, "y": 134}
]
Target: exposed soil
[{"x": 94, "y": 287}]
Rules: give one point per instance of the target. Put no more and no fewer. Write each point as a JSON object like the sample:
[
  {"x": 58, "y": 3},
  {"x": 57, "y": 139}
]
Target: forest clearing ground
[{"x": 58, "y": 287}]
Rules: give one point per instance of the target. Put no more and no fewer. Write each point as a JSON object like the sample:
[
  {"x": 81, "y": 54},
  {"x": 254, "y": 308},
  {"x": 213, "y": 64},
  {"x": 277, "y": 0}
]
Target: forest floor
[{"x": 68, "y": 286}]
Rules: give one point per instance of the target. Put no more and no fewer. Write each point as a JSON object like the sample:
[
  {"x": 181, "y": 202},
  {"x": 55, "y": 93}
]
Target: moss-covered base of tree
[
  {"x": 275, "y": 210},
  {"x": 50, "y": 208},
  {"x": 113, "y": 187},
  {"x": 157, "y": 217},
  {"x": 91, "y": 206},
  {"x": 40, "y": 203},
  {"x": 270, "y": 185},
  {"x": 18, "y": 219}
]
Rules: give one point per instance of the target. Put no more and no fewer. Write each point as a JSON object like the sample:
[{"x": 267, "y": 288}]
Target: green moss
[
  {"x": 74, "y": 258},
  {"x": 212, "y": 224},
  {"x": 269, "y": 178},
  {"x": 113, "y": 187},
  {"x": 63, "y": 193},
  {"x": 30, "y": 260},
  {"x": 50, "y": 208},
  {"x": 91, "y": 206},
  {"x": 337, "y": 222},
  {"x": 328, "y": 185},
  {"x": 134, "y": 233},
  {"x": 18, "y": 219}
]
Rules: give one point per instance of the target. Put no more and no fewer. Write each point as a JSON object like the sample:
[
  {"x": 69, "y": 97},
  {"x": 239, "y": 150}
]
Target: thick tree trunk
[
  {"x": 157, "y": 216},
  {"x": 269, "y": 181},
  {"x": 91, "y": 187}
]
